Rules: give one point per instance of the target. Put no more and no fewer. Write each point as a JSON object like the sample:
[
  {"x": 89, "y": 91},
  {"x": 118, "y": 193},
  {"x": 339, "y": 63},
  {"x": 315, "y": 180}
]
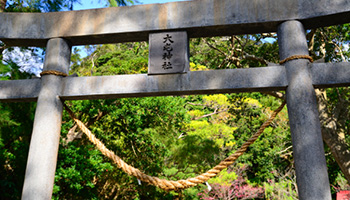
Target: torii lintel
[{"x": 202, "y": 18}]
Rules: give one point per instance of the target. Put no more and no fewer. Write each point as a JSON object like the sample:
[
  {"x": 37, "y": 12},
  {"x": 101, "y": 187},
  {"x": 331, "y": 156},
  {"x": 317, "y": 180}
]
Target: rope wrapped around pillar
[
  {"x": 293, "y": 57},
  {"x": 53, "y": 72}
]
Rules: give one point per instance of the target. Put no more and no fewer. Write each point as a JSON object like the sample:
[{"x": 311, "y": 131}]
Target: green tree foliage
[
  {"x": 212, "y": 126},
  {"x": 173, "y": 137},
  {"x": 39, "y": 5},
  {"x": 331, "y": 44},
  {"x": 170, "y": 137},
  {"x": 129, "y": 58},
  {"x": 16, "y": 122},
  {"x": 116, "y": 3}
]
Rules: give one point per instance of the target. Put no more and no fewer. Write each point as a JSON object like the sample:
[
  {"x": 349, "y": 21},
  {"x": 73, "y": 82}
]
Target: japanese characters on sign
[{"x": 168, "y": 53}]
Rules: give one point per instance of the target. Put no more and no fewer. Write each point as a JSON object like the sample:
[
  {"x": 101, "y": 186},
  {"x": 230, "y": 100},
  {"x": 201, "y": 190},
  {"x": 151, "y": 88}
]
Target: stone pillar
[
  {"x": 308, "y": 150},
  {"x": 43, "y": 150}
]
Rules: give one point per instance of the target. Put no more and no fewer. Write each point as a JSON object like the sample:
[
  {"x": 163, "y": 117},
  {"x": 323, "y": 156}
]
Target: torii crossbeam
[{"x": 59, "y": 31}]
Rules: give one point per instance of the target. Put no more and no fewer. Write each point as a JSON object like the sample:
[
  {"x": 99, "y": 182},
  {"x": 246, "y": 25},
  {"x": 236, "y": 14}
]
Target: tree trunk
[
  {"x": 339, "y": 149},
  {"x": 2, "y": 5},
  {"x": 334, "y": 136}
]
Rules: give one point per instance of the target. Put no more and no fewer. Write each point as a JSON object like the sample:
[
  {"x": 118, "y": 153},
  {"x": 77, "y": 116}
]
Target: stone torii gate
[{"x": 61, "y": 30}]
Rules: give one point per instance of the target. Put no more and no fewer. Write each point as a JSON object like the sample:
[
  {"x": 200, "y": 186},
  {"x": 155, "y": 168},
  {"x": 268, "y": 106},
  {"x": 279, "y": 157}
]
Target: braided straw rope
[
  {"x": 53, "y": 72},
  {"x": 297, "y": 57},
  {"x": 166, "y": 184}
]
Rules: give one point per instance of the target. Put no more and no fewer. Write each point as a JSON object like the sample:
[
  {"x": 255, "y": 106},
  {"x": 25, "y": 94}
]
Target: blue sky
[{"x": 90, "y": 4}]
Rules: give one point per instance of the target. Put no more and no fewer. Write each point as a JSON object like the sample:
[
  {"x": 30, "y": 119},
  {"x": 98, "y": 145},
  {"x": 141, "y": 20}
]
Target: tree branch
[
  {"x": 210, "y": 114},
  {"x": 278, "y": 95},
  {"x": 284, "y": 150},
  {"x": 311, "y": 38},
  {"x": 196, "y": 104},
  {"x": 254, "y": 58},
  {"x": 215, "y": 48},
  {"x": 72, "y": 134}
]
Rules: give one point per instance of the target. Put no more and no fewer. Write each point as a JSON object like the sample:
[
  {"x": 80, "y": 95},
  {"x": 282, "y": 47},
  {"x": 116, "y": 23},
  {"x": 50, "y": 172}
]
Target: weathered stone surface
[
  {"x": 199, "y": 18},
  {"x": 141, "y": 85},
  {"x": 19, "y": 90},
  {"x": 325, "y": 75},
  {"x": 43, "y": 150},
  {"x": 168, "y": 53},
  {"x": 308, "y": 151},
  {"x": 198, "y": 82}
]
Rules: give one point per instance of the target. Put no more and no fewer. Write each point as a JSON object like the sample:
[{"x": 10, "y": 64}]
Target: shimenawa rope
[
  {"x": 53, "y": 72},
  {"x": 166, "y": 184},
  {"x": 296, "y": 57}
]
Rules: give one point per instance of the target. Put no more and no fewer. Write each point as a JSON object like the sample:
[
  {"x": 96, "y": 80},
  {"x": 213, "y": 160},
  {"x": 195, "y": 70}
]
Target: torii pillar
[
  {"x": 308, "y": 150},
  {"x": 43, "y": 150}
]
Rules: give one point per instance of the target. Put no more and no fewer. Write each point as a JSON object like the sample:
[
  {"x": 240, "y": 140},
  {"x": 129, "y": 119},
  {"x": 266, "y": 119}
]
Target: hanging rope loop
[{"x": 166, "y": 184}]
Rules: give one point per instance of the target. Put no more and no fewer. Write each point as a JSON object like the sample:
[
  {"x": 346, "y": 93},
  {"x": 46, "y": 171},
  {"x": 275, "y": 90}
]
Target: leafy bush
[{"x": 239, "y": 188}]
